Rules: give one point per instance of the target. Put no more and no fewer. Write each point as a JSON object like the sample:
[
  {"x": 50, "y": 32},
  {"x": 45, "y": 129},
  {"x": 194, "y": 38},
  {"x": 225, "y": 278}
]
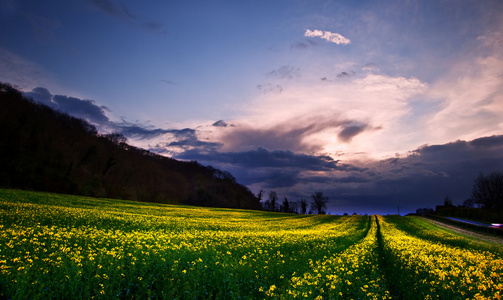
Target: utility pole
[{"x": 398, "y": 209}]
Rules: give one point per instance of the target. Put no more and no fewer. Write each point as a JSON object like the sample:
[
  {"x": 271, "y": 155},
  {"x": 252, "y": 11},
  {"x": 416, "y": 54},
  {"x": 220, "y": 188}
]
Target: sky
[{"x": 380, "y": 105}]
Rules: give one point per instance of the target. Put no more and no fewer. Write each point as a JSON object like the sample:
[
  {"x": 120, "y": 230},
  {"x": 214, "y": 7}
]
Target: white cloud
[
  {"x": 328, "y": 36},
  {"x": 471, "y": 93},
  {"x": 472, "y": 98},
  {"x": 322, "y": 115}
]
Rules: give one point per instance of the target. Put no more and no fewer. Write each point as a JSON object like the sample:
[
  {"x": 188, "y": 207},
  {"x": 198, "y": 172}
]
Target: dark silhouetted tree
[
  {"x": 260, "y": 195},
  {"x": 303, "y": 206},
  {"x": 116, "y": 138},
  {"x": 447, "y": 201},
  {"x": 469, "y": 203},
  {"x": 273, "y": 199},
  {"x": 267, "y": 205},
  {"x": 285, "y": 206},
  {"x": 488, "y": 190},
  {"x": 424, "y": 211},
  {"x": 319, "y": 204},
  {"x": 294, "y": 207}
]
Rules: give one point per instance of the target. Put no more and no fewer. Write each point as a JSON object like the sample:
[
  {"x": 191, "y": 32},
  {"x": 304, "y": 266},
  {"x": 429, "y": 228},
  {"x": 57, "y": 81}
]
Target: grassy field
[{"x": 60, "y": 246}]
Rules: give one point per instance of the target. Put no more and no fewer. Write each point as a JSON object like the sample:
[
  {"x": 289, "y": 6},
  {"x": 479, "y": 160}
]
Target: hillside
[{"x": 45, "y": 150}]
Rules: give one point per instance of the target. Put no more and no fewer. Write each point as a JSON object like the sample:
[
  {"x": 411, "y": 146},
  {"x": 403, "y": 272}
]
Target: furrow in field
[
  {"x": 352, "y": 274},
  {"x": 385, "y": 265}
]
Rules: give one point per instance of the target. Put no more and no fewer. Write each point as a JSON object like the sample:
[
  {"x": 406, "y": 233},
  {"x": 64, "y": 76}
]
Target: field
[{"x": 60, "y": 246}]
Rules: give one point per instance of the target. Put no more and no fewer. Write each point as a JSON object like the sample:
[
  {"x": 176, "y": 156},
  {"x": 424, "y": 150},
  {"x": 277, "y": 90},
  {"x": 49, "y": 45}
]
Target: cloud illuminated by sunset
[{"x": 332, "y": 37}]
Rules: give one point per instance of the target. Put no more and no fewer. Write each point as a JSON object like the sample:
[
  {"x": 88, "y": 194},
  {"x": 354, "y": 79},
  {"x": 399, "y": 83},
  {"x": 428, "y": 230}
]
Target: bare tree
[
  {"x": 259, "y": 195},
  {"x": 469, "y": 203},
  {"x": 294, "y": 207},
  {"x": 488, "y": 190},
  {"x": 286, "y": 206},
  {"x": 447, "y": 201},
  {"x": 319, "y": 203}
]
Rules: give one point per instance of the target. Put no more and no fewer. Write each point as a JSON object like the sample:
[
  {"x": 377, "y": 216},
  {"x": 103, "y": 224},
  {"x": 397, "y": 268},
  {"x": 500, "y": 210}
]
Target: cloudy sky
[{"x": 378, "y": 104}]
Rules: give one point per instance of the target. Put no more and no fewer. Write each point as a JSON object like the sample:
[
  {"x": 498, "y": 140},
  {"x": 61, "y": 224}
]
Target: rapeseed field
[{"x": 70, "y": 247}]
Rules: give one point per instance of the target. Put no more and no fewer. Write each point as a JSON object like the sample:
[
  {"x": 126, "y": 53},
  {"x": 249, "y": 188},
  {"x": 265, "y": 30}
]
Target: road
[{"x": 471, "y": 222}]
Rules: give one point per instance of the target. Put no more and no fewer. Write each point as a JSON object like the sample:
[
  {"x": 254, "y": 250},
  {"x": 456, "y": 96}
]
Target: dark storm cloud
[
  {"x": 185, "y": 146},
  {"x": 275, "y": 138},
  {"x": 290, "y": 135},
  {"x": 262, "y": 157},
  {"x": 138, "y": 131},
  {"x": 276, "y": 169},
  {"x": 495, "y": 141},
  {"x": 84, "y": 109},
  {"x": 345, "y": 74},
  {"x": 280, "y": 178},
  {"x": 350, "y": 131},
  {"x": 41, "y": 95},
  {"x": 220, "y": 123},
  {"x": 95, "y": 114},
  {"x": 426, "y": 176},
  {"x": 423, "y": 178}
]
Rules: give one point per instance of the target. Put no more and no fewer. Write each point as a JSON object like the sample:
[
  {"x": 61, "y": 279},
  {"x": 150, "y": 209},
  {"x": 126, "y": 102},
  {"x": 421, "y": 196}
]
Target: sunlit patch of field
[{"x": 60, "y": 246}]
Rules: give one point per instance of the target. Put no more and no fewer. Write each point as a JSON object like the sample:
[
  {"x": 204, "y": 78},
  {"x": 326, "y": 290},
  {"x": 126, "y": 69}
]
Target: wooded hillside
[{"x": 41, "y": 149}]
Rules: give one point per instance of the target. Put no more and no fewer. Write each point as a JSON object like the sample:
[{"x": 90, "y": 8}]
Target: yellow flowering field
[
  {"x": 67, "y": 247},
  {"x": 426, "y": 269}
]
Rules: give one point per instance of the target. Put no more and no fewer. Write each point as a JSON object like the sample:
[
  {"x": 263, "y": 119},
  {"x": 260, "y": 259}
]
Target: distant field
[{"x": 60, "y": 246}]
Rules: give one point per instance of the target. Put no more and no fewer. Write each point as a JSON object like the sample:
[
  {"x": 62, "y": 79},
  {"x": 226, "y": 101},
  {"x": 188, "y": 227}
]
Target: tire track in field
[{"x": 384, "y": 265}]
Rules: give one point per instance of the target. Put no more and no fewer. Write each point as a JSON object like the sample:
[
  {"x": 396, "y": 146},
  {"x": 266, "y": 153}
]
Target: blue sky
[{"x": 375, "y": 103}]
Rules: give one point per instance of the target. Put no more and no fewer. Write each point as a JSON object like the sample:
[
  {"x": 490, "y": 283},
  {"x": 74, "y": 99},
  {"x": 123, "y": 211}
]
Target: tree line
[
  {"x": 485, "y": 203},
  {"x": 273, "y": 203},
  {"x": 45, "y": 150}
]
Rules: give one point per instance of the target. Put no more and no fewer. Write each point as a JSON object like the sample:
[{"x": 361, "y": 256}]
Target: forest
[{"x": 46, "y": 150}]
